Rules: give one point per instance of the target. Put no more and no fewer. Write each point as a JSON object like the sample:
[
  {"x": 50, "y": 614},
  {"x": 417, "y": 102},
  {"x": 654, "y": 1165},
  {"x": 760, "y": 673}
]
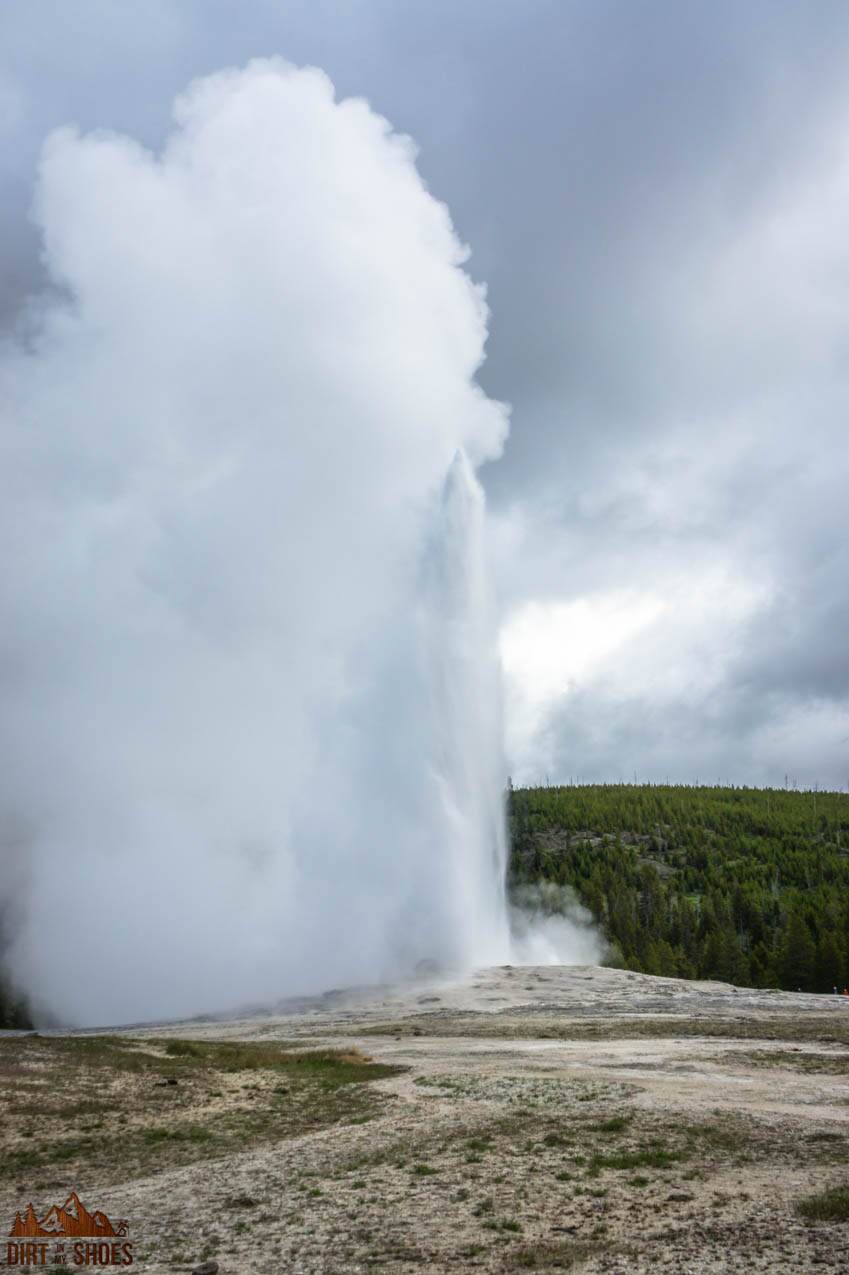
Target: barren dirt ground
[{"x": 541, "y": 1119}]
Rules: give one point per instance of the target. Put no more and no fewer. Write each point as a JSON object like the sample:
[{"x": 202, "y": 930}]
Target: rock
[{"x": 206, "y": 1268}]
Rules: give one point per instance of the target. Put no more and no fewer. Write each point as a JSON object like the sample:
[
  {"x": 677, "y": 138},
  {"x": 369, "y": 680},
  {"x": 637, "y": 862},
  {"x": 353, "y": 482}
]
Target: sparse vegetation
[
  {"x": 831, "y": 1205},
  {"x": 794, "y": 1059},
  {"x": 539, "y": 1025},
  {"x": 645, "y": 1158},
  {"x": 499, "y": 1168},
  {"x": 151, "y": 1104},
  {"x": 548, "y": 1255},
  {"x": 615, "y": 1124}
]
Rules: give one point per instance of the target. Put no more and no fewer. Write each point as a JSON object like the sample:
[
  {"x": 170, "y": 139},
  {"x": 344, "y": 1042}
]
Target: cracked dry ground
[{"x": 540, "y": 1120}]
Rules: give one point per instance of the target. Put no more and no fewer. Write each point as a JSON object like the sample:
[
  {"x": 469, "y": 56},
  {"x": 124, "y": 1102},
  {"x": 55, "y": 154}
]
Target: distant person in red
[{"x": 846, "y": 991}]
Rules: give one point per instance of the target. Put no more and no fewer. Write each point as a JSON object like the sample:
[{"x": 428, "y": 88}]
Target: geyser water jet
[{"x": 464, "y": 680}]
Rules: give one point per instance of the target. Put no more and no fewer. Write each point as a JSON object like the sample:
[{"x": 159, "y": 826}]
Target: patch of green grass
[
  {"x": 329, "y": 1066},
  {"x": 614, "y": 1125},
  {"x": 183, "y": 1049},
  {"x": 180, "y": 1057},
  {"x": 177, "y": 1133},
  {"x": 423, "y": 1170},
  {"x": 793, "y": 1060},
  {"x": 831, "y": 1205},
  {"x": 47, "y": 1153},
  {"x": 725, "y": 1135},
  {"x": 536, "y": 1025},
  {"x": 116, "y": 1085},
  {"x": 645, "y": 1158},
  {"x": 548, "y": 1255}
]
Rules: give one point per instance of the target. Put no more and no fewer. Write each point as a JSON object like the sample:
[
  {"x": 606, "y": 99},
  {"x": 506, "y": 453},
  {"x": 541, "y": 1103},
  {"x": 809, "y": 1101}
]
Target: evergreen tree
[
  {"x": 797, "y": 955},
  {"x": 829, "y": 964}
]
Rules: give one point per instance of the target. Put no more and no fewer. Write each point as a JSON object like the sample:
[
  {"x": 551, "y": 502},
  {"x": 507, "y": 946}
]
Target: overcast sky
[{"x": 656, "y": 196}]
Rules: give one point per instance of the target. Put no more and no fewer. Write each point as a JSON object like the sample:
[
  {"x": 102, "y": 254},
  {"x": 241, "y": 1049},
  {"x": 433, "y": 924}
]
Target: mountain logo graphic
[{"x": 72, "y": 1221}]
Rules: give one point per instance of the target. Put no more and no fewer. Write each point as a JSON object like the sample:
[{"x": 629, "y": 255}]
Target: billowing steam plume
[{"x": 249, "y": 697}]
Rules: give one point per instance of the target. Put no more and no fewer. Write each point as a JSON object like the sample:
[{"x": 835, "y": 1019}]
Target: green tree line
[
  {"x": 13, "y": 1010},
  {"x": 750, "y": 886}
]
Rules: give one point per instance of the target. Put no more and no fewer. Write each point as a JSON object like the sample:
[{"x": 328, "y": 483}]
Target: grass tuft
[
  {"x": 614, "y": 1125},
  {"x": 548, "y": 1255},
  {"x": 831, "y": 1205}
]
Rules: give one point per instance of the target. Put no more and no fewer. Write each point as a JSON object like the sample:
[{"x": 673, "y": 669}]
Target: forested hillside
[
  {"x": 13, "y": 1011},
  {"x": 750, "y": 886}
]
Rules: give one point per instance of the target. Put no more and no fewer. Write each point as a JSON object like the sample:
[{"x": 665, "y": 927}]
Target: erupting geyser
[
  {"x": 248, "y": 685},
  {"x": 464, "y": 683}
]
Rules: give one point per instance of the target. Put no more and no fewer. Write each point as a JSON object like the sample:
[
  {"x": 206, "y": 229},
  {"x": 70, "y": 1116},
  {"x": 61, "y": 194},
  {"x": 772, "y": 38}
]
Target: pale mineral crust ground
[{"x": 544, "y": 1119}]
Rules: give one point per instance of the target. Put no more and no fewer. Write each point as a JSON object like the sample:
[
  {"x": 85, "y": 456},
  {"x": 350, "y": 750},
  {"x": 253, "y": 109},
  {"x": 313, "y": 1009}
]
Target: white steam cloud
[
  {"x": 550, "y": 926},
  {"x": 248, "y": 698}
]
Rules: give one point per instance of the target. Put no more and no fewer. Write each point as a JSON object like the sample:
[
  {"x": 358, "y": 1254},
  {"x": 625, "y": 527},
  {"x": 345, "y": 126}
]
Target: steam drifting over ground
[
  {"x": 249, "y": 697},
  {"x": 550, "y": 926}
]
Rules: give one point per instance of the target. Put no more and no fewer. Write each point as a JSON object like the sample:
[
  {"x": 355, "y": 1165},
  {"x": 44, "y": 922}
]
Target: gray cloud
[{"x": 656, "y": 196}]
